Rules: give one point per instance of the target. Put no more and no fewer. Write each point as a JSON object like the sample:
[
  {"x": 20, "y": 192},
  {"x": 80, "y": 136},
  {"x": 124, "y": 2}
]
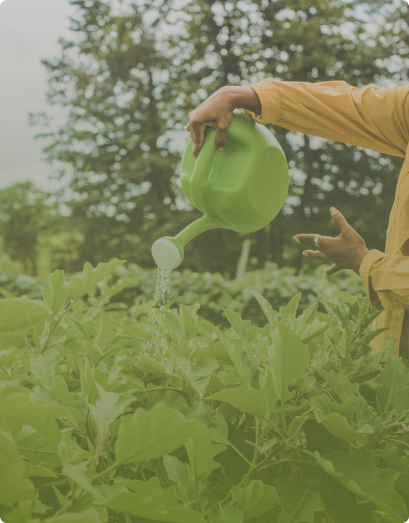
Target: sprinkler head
[{"x": 166, "y": 253}]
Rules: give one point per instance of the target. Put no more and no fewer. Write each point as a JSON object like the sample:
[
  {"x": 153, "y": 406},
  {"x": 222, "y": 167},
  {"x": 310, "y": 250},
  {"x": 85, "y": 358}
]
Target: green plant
[{"x": 111, "y": 413}]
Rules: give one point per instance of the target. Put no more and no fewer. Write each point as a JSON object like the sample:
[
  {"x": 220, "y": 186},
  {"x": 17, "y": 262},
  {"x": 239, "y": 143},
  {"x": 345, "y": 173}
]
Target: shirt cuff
[
  {"x": 270, "y": 102},
  {"x": 364, "y": 271}
]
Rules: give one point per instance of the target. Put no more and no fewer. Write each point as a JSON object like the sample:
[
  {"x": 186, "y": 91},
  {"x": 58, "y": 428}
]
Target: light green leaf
[
  {"x": 288, "y": 358},
  {"x": 59, "y": 391},
  {"x": 199, "y": 374},
  {"x": 36, "y": 448},
  {"x": 227, "y": 514},
  {"x": 13, "y": 485},
  {"x": 188, "y": 321},
  {"x": 246, "y": 399},
  {"x": 295, "y": 426},
  {"x": 153, "y": 507},
  {"x": 149, "y": 365},
  {"x": 91, "y": 277},
  {"x": 178, "y": 473},
  {"x": 108, "y": 407},
  {"x": 43, "y": 367},
  {"x": 20, "y": 406},
  {"x": 291, "y": 307},
  {"x": 255, "y": 499},
  {"x": 393, "y": 375},
  {"x": 152, "y": 486},
  {"x": 201, "y": 452},
  {"x": 299, "y": 502},
  {"x": 238, "y": 325},
  {"x": 357, "y": 471},
  {"x": 32, "y": 471},
  {"x": 47, "y": 427},
  {"x": 152, "y": 434},
  {"x": 266, "y": 308},
  {"x": 338, "y": 426},
  {"x": 211, "y": 419},
  {"x": 77, "y": 472},
  {"x": 21, "y": 313},
  {"x": 57, "y": 294},
  {"x": 88, "y": 516}
]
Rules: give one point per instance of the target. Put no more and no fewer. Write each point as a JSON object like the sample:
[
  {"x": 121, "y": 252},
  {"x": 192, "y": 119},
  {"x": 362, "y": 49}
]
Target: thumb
[{"x": 340, "y": 221}]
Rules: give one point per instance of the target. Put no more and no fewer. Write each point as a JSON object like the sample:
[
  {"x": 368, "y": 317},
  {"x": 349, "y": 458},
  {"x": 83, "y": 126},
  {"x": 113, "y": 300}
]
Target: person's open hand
[{"x": 346, "y": 251}]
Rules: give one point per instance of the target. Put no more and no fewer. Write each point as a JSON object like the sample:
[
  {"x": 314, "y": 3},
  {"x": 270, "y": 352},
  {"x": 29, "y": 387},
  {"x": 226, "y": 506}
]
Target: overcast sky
[{"x": 29, "y": 30}]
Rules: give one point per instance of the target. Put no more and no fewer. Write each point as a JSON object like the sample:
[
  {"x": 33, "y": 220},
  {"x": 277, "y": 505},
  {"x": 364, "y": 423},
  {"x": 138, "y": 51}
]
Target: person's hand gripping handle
[{"x": 217, "y": 112}]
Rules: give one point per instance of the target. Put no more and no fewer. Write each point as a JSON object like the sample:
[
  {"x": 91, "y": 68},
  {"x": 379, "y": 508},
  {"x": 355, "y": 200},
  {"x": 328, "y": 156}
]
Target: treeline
[{"x": 132, "y": 73}]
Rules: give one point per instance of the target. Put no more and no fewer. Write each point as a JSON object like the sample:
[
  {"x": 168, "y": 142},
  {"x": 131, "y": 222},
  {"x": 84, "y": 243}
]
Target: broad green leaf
[
  {"x": 246, "y": 399},
  {"x": 201, "y": 452},
  {"x": 188, "y": 320},
  {"x": 59, "y": 391},
  {"x": 291, "y": 307},
  {"x": 87, "y": 516},
  {"x": 288, "y": 358},
  {"x": 149, "y": 365},
  {"x": 152, "y": 486},
  {"x": 32, "y": 471},
  {"x": 295, "y": 426},
  {"x": 57, "y": 294},
  {"x": 13, "y": 485},
  {"x": 20, "y": 406},
  {"x": 21, "y": 313},
  {"x": 36, "y": 448},
  {"x": 300, "y": 501},
  {"x": 211, "y": 419},
  {"x": 152, "y": 434},
  {"x": 393, "y": 375},
  {"x": 105, "y": 333},
  {"x": 338, "y": 426},
  {"x": 309, "y": 331},
  {"x": 238, "y": 325},
  {"x": 153, "y": 508},
  {"x": 47, "y": 427},
  {"x": 228, "y": 514},
  {"x": 43, "y": 367},
  {"x": 199, "y": 374},
  {"x": 266, "y": 308},
  {"x": 357, "y": 471},
  {"x": 91, "y": 277},
  {"x": 255, "y": 499},
  {"x": 267, "y": 383},
  {"x": 77, "y": 472},
  {"x": 178, "y": 473},
  {"x": 108, "y": 407}
]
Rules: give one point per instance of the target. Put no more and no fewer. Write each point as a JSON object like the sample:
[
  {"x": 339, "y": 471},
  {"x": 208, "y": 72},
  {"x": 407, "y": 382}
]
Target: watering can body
[{"x": 242, "y": 189}]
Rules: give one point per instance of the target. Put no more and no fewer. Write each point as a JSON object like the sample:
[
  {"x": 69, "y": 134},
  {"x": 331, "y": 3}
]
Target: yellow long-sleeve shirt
[{"x": 374, "y": 118}]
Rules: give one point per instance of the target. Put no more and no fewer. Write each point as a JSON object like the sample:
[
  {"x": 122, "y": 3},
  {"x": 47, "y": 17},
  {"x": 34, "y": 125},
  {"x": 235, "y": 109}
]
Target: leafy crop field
[{"x": 113, "y": 412}]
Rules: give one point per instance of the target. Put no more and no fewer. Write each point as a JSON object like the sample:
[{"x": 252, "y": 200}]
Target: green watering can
[{"x": 242, "y": 189}]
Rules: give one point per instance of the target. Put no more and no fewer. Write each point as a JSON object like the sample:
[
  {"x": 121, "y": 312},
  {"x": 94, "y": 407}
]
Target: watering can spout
[{"x": 168, "y": 252}]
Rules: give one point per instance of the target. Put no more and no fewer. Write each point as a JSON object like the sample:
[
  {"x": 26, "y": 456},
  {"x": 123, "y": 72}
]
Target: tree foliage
[{"x": 133, "y": 71}]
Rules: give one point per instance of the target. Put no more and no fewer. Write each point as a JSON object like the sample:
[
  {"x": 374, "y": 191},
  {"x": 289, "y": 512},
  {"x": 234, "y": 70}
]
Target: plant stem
[{"x": 397, "y": 441}]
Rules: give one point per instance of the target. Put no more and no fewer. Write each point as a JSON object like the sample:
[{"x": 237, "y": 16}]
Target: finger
[
  {"x": 340, "y": 221},
  {"x": 315, "y": 254},
  {"x": 331, "y": 270},
  {"x": 197, "y": 134},
  {"x": 308, "y": 239},
  {"x": 222, "y": 132}
]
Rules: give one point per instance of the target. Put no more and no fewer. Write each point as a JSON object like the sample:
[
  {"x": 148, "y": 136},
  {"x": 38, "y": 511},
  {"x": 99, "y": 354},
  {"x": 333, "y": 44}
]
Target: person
[{"x": 372, "y": 117}]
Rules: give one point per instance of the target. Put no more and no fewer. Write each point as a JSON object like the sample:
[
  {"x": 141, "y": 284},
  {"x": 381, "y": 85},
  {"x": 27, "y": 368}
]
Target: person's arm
[
  {"x": 386, "y": 279},
  {"x": 371, "y": 117}
]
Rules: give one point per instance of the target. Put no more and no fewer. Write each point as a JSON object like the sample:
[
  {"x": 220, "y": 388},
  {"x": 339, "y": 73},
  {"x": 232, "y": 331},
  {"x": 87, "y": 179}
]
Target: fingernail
[
  {"x": 325, "y": 274},
  {"x": 296, "y": 239},
  {"x": 220, "y": 149},
  {"x": 334, "y": 212},
  {"x": 305, "y": 253}
]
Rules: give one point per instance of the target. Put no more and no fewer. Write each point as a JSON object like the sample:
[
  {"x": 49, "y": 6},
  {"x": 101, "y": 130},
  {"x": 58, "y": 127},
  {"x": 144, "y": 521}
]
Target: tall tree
[
  {"x": 129, "y": 79},
  {"x": 25, "y": 212}
]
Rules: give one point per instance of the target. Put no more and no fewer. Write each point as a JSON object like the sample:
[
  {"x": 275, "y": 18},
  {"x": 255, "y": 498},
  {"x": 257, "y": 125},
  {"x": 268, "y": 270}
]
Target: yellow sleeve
[
  {"x": 386, "y": 279},
  {"x": 371, "y": 117}
]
